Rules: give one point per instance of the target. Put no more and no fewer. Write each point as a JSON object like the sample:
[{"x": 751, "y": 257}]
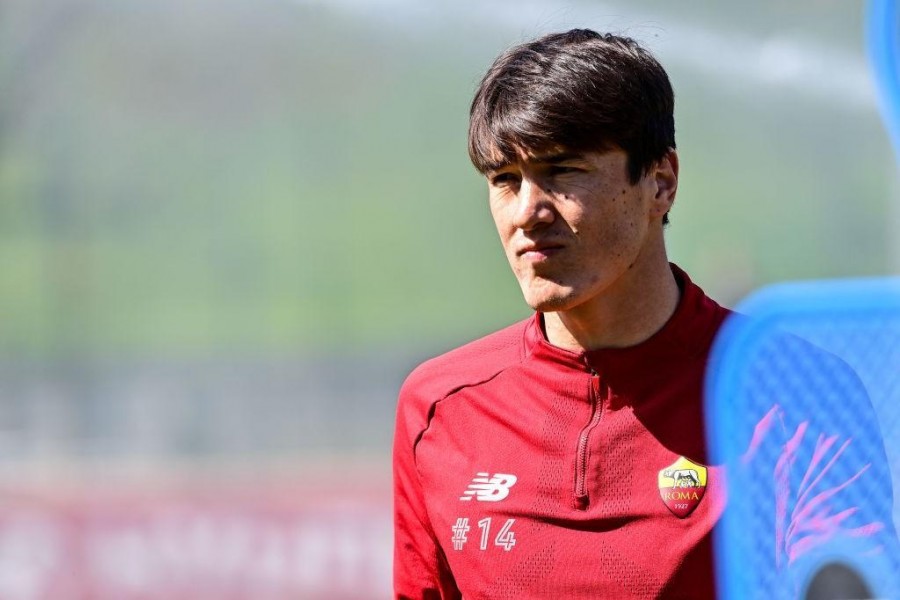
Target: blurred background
[{"x": 230, "y": 228}]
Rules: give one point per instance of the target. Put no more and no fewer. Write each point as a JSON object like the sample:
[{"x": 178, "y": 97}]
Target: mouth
[{"x": 538, "y": 252}]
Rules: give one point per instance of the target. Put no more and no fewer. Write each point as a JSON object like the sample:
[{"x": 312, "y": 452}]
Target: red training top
[{"x": 522, "y": 470}]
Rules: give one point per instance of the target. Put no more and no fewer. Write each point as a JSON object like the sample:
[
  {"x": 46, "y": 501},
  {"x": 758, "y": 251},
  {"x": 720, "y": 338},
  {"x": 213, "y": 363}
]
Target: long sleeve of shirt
[{"x": 420, "y": 569}]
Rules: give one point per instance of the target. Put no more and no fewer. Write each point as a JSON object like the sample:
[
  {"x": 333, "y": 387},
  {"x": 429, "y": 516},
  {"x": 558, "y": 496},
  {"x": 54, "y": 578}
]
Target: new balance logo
[{"x": 489, "y": 488}]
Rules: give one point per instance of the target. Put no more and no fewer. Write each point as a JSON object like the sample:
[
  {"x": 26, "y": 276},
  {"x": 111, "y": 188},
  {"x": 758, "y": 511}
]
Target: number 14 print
[{"x": 505, "y": 538}]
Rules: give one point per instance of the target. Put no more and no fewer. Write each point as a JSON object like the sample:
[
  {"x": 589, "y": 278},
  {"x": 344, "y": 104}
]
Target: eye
[
  {"x": 562, "y": 170},
  {"x": 503, "y": 179}
]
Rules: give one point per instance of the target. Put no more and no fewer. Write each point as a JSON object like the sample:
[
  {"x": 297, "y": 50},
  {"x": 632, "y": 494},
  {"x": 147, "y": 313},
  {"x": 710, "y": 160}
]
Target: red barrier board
[{"x": 257, "y": 539}]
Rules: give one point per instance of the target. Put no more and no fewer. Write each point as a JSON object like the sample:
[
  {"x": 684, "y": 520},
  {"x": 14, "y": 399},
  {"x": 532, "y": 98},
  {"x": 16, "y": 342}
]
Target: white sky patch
[{"x": 732, "y": 58}]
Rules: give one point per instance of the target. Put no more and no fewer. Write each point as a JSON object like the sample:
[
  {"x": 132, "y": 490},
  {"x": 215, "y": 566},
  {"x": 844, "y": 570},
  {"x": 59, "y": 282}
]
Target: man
[
  {"x": 564, "y": 456},
  {"x": 513, "y": 452}
]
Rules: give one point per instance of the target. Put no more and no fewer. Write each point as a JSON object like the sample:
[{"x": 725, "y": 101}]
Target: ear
[{"x": 665, "y": 179}]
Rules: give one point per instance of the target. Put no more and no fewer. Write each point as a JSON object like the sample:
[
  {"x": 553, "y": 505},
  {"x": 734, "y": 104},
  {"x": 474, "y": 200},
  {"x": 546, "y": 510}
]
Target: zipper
[{"x": 581, "y": 457}]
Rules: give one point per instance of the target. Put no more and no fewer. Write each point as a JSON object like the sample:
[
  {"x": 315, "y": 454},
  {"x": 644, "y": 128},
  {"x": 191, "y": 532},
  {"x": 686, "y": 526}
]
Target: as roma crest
[{"x": 681, "y": 486}]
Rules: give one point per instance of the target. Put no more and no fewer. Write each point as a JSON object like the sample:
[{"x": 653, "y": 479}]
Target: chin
[{"x": 549, "y": 300}]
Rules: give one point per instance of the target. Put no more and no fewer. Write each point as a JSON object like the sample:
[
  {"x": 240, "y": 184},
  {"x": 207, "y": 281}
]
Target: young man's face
[{"x": 572, "y": 224}]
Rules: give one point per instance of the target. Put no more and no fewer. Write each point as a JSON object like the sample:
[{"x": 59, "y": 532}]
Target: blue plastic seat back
[{"x": 803, "y": 409}]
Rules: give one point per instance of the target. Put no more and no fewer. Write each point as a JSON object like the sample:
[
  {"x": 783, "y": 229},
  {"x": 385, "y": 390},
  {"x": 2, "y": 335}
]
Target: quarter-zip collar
[{"x": 687, "y": 334}]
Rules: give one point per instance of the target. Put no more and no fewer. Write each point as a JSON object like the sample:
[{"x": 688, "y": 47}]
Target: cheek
[
  {"x": 501, "y": 222},
  {"x": 507, "y": 237},
  {"x": 614, "y": 233}
]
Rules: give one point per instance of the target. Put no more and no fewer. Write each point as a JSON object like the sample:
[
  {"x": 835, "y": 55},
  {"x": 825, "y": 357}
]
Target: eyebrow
[
  {"x": 557, "y": 157},
  {"x": 551, "y": 158}
]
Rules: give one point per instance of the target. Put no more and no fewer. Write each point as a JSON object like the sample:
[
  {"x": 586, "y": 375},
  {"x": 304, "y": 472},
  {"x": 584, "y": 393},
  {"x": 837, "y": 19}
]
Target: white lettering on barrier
[{"x": 176, "y": 553}]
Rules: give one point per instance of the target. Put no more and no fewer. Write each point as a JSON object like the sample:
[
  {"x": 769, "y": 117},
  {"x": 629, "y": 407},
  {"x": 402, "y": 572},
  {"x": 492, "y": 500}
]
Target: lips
[{"x": 540, "y": 250}]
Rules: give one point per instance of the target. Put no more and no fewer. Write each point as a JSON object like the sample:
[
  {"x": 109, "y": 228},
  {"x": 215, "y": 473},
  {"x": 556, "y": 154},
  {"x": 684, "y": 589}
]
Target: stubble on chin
[{"x": 545, "y": 296}]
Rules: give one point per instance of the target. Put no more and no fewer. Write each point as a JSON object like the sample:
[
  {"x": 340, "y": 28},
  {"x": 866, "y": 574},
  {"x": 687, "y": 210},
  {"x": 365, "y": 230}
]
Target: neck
[{"x": 630, "y": 311}]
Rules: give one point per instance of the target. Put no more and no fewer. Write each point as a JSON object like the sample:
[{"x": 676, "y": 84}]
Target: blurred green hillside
[{"x": 232, "y": 177}]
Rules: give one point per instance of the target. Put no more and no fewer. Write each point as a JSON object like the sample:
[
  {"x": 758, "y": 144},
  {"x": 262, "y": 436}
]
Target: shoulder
[{"x": 468, "y": 365}]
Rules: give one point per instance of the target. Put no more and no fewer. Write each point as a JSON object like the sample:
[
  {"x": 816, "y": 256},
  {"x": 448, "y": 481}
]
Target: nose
[{"x": 534, "y": 206}]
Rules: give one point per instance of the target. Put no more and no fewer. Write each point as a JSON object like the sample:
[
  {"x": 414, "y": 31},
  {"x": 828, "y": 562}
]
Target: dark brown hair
[{"x": 577, "y": 90}]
